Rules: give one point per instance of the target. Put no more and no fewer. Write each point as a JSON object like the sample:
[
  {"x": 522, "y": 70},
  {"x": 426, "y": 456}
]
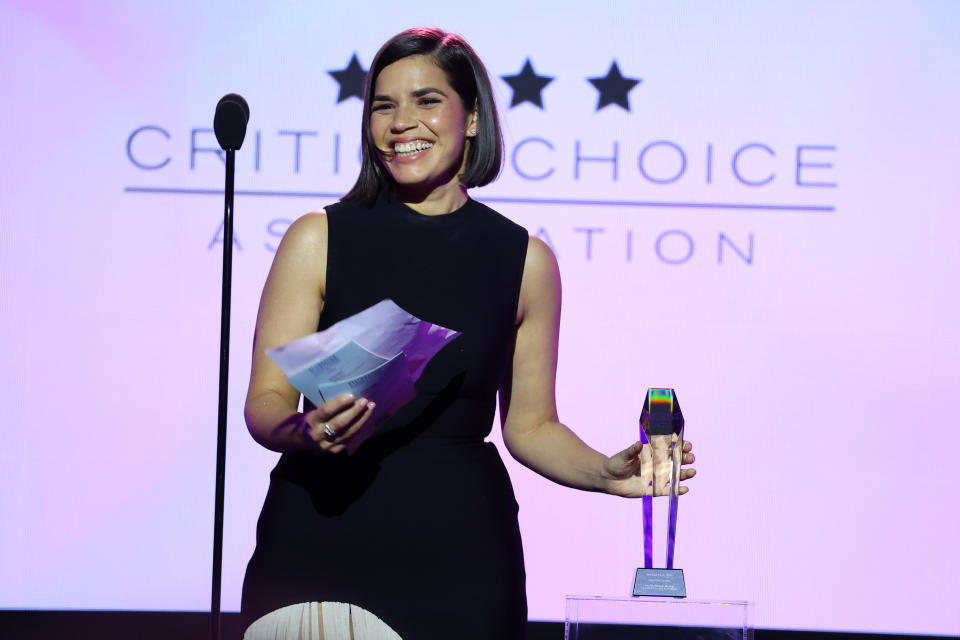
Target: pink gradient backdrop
[{"x": 818, "y": 380}]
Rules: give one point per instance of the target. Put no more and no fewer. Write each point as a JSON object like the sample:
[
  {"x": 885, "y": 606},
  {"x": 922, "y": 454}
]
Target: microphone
[
  {"x": 230, "y": 125},
  {"x": 230, "y": 121}
]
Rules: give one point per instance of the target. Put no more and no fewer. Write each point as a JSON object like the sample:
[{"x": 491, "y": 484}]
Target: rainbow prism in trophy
[{"x": 661, "y": 432}]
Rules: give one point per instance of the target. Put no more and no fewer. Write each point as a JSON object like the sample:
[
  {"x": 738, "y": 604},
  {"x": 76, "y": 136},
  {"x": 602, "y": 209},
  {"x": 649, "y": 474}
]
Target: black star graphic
[
  {"x": 614, "y": 88},
  {"x": 527, "y": 86},
  {"x": 351, "y": 80}
]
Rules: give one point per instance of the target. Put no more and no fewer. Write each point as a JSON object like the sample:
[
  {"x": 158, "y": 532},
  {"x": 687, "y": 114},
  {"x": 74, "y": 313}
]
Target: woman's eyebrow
[
  {"x": 422, "y": 92},
  {"x": 416, "y": 94}
]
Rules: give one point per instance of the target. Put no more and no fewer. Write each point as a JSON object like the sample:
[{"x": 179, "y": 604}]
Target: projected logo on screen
[{"x": 583, "y": 142}]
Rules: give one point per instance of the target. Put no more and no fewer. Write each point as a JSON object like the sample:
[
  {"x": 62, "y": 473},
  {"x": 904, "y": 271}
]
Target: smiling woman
[
  {"x": 425, "y": 83},
  {"x": 415, "y": 534},
  {"x": 421, "y": 129}
]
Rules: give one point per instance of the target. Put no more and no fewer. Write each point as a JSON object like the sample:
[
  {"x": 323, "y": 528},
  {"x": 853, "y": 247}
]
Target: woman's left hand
[{"x": 630, "y": 472}]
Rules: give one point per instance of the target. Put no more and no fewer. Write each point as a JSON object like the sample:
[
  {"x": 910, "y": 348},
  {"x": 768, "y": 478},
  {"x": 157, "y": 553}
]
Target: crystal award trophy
[{"x": 661, "y": 432}]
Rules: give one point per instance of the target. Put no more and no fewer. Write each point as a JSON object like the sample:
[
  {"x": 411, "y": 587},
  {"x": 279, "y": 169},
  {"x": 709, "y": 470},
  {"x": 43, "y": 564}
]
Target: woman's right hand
[{"x": 343, "y": 416}]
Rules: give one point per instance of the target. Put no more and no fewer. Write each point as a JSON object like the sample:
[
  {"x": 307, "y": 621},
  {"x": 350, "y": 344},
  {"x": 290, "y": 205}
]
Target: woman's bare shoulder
[
  {"x": 307, "y": 233},
  {"x": 539, "y": 252},
  {"x": 310, "y": 226},
  {"x": 540, "y": 265}
]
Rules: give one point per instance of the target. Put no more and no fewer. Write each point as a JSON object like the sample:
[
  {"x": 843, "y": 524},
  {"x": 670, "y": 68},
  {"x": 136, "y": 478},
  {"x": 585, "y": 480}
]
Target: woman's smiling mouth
[{"x": 410, "y": 149}]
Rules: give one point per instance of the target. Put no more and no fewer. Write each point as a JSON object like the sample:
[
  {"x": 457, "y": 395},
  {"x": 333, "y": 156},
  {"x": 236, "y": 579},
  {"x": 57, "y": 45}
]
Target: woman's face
[{"x": 419, "y": 124}]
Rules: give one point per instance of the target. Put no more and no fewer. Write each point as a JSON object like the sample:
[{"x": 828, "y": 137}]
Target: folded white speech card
[{"x": 378, "y": 354}]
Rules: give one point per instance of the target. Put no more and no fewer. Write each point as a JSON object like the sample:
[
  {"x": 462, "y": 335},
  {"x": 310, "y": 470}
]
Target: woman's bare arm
[
  {"x": 289, "y": 309},
  {"x": 532, "y": 431}
]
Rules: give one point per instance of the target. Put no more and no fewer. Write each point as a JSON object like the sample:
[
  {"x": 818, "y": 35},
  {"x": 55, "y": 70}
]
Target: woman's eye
[
  {"x": 381, "y": 107},
  {"x": 429, "y": 100}
]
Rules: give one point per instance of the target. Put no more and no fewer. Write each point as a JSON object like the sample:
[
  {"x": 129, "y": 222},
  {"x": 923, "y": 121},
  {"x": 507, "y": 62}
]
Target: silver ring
[{"x": 328, "y": 431}]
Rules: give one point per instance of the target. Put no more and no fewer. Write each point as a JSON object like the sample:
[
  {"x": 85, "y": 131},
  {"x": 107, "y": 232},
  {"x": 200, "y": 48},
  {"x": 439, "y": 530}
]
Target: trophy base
[
  {"x": 659, "y": 582},
  {"x": 616, "y": 618}
]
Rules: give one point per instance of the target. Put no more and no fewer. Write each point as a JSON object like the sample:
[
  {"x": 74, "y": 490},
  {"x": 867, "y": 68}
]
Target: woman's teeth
[{"x": 409, "y": 148}]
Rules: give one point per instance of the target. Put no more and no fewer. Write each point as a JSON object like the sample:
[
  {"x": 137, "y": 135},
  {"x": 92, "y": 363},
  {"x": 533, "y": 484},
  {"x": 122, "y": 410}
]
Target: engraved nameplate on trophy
[{"x": 661, "y": 432}]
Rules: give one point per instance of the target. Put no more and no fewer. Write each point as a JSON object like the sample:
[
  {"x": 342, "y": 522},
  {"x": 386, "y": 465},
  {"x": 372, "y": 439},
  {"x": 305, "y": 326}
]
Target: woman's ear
[{"x": 472, "y": 123}]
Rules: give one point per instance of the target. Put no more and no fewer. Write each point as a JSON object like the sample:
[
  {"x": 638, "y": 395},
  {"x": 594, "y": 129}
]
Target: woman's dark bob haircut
[{"x": 468, "y": 77}]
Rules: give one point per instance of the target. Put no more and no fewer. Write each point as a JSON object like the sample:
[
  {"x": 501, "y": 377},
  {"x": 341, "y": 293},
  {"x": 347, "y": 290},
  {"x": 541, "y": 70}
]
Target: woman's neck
[{"x": 435, "y": 202}]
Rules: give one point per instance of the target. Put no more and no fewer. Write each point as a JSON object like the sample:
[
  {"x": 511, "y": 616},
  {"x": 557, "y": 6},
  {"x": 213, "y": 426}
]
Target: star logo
[
  {"x": 350, "y": 80},
  {"x": 614, "y": 88},
  {"x": 527, "y": 86}
]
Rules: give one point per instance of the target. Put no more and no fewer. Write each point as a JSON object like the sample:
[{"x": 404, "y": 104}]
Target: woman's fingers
[
  {"x": 630, "y": 453},
  {"x": 634, "y": 473},
  {"x": 332, "y": 407},
  {"x": 321, "y": 420},
  {"x": 333, "y": 422},
  {"x": 360, "y": 417},
  {"x": 342, "y": 421},
  {"x": 625, "y": 463},
  {"x": 350, "y": 421}
]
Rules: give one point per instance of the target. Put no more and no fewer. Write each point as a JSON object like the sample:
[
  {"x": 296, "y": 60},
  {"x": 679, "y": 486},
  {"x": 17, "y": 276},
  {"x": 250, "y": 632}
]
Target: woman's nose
[{"x": 404, "y": 119}]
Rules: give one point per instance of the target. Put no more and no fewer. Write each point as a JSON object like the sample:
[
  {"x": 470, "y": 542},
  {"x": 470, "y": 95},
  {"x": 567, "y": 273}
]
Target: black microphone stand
[{"x": 230, "y": 126}]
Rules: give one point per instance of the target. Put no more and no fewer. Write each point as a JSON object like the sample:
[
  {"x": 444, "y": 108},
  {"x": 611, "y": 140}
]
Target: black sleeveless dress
[{"x": 419, "y": 525}]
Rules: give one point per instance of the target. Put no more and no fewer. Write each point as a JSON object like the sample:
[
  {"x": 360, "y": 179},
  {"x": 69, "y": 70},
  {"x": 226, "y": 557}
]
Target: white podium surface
[{"x": 607, "y": 618}]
